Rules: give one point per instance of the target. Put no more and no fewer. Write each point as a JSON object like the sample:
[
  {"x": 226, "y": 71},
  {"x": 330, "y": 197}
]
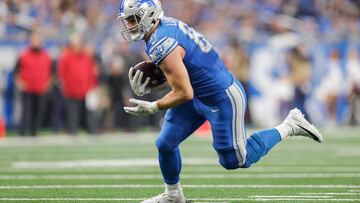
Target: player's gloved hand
[
  {"x": 142, "y": 108},
  {"x": 140, "y": 88}
]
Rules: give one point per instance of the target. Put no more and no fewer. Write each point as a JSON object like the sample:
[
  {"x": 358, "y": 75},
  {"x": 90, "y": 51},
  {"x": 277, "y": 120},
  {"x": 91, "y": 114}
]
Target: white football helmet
[{"x": 137, "y": 17}]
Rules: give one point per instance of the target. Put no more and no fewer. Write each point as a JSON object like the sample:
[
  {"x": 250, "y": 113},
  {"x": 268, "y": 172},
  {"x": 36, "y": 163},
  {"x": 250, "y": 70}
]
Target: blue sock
[
  {"x": 259, "y": 144},
  {"x": 170, "y": 165},
  {"x": 271, "y": 137}
]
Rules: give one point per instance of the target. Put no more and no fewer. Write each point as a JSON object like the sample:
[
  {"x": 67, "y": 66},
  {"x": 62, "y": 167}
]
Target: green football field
[{"x": 123, "y": 168}]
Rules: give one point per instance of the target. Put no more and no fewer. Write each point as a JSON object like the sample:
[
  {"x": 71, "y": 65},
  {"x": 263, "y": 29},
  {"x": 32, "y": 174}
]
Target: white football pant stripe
[{"x": 237, "y": 100}]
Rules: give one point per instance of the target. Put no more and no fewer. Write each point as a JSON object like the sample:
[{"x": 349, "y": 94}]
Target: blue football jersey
[{"x": 208, "y": 74}]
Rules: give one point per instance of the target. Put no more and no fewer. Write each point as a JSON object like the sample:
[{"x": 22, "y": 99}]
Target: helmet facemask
[
  {"x": 132, "y": 27},
  {"x": 138, "y": 17}
]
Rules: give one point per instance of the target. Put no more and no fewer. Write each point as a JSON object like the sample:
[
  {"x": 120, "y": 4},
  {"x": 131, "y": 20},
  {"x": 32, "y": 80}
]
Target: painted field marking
[
  {"x": 103, "y": 163},
  {"x": 71, "y": 199},
  {"x": 161, "y": 186},
  {"x": 192, "y": 199},
  {"x": 148, "y": 162},
  {"x": 185, "y": 176},
  {"x": 302, "y": 199},
  {"x": 198, "y": 168},
  {"x": 291, "y": 196},
  {"x": 330, "y": 193}
]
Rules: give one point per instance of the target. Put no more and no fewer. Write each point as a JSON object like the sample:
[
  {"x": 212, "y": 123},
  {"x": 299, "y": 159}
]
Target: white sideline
[
  {"x": 193, "y": 199},
  {"x": 103, "y": 163},
  {"x": 185, "y": 176},
  {"x": 71, "y": 199},
  {"x": 108, "y": 163},
  {"x": 330, "y": 193},
  {"x": 291, "y": 196},
  {"x": 209, "y": 168},
  {"x": 161, "y": 186},
  {"x": 302, "y": 199}
]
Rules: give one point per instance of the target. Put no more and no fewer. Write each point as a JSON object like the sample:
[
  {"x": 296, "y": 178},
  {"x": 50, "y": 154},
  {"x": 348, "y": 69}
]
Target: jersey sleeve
[{"x": 161, "y": 49}]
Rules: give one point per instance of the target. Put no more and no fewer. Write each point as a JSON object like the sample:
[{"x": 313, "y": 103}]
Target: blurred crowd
[{"x": 287, "y": 53}]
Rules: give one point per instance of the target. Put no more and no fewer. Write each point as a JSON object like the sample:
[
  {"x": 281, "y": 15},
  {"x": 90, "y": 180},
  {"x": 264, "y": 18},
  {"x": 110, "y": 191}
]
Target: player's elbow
[
  {"x": 183, "y": 94},
  {"x": 188, "y": 95}
]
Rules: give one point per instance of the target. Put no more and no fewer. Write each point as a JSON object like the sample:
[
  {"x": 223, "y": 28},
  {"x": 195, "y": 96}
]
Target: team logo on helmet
[{"x": 148, "y": 2}]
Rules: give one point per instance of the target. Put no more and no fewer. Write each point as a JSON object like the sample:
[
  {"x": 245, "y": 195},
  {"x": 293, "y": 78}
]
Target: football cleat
[
  {"x": 301, "y": 127},
  {"x": 165, "y": 198}
]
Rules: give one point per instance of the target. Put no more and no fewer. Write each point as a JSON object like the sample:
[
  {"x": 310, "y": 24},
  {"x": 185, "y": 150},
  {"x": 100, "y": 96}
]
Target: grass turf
[{"x": 123, "y": 168}]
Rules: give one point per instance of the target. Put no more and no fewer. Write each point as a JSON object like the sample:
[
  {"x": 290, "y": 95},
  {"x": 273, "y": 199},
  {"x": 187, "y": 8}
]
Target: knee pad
[
  {"x": 255, "y": 148},
  {"x": 164, "y": 146},
  {"x": 228, "y": 159}
]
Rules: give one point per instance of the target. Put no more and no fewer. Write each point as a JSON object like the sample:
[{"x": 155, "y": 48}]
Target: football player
[{"x": 201, "y": 90}]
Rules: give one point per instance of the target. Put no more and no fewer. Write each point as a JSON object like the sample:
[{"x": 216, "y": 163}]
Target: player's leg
[
  {"x": 228, "y": 128},
  {"x": 234, "y": 148},
  {"x": 27, "y": 112},
  {"x": 259, "y": 143},
  {"x": 73, "y": 108},
  {"x": 180, "y": 122}
]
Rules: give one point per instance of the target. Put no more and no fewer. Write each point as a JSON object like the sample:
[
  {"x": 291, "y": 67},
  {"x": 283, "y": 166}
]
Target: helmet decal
[
  {"x": 121, "y": 6},
  {"x": 149, "y": 2}
]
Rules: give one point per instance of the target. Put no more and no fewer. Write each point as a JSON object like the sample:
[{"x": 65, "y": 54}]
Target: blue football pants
[{"x": 225, "y": 111}]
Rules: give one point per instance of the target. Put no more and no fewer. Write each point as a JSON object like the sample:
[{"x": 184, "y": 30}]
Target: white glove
[
  {"x": 136, "y": 83},
  {"x": 143, "y": 108}
]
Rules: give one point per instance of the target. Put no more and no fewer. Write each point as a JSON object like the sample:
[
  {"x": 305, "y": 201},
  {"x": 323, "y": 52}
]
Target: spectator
[
  {"x": 319, "y": 24},
  {"x": 237, "y": 61},
  {"x": 117, "y": 83},
  {"x": 3, "y": 14},
  {"x": 33, "y": 78},
  {"x": 353, "y": 90},
  {"x": 300, "y": 75},
  {"x": 77, "y": 74},
  {"x": 331, "y": 87}
]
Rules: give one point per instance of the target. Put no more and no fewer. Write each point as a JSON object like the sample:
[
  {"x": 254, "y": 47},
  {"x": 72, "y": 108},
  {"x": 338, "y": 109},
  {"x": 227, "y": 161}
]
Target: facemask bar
[{"x": 133, "y": 32}]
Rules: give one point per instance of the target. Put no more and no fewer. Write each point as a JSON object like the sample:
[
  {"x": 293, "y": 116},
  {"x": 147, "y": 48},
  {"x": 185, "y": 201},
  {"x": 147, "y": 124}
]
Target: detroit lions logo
[
  {"x": 148, "y": 2},
  {"x": 138, "y": 4}
]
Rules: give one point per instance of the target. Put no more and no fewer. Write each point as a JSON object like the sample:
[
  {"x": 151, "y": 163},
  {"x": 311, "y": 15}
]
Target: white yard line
[
  {"x": 208, "y": 202},
  {"x": 71, "y": 199},
  {"x": 193, "y": 199},
  {"x": 330, "y": 193},
  {"x": 303, "y": 169},
  {"x": 200, "y": 168},
  {"x": 303, "y": 200},
  {"x": 161, "y": 186},
  {"x": 109, "y": 163},
  {"x": 185, "y": 176},
  {"x": 291, "y": 196},
  {"x": 103, "y": 163}
]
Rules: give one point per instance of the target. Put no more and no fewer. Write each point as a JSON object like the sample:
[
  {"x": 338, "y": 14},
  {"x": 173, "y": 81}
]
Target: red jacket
[
  {"x": 35, "y": 70},
  {"x": 77, "y": 74}
]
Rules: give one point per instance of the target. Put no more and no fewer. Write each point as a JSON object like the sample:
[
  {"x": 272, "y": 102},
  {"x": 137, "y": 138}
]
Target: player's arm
[
  {"x": 177, "y": 78},
  {"x": 161, "y": 87}
]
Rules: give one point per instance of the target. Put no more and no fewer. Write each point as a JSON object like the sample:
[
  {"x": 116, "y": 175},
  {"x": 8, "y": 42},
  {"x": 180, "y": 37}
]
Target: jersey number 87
[{"x": 199, "y": 39}]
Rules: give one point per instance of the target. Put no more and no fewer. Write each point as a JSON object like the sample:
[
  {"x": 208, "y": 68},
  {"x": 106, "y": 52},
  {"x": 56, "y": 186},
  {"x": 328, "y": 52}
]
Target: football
[{"x": 151, "y": 70}]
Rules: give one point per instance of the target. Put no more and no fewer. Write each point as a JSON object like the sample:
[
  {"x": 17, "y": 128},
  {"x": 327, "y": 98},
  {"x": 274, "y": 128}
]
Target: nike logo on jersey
[{"x": 215, "y": 110}]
